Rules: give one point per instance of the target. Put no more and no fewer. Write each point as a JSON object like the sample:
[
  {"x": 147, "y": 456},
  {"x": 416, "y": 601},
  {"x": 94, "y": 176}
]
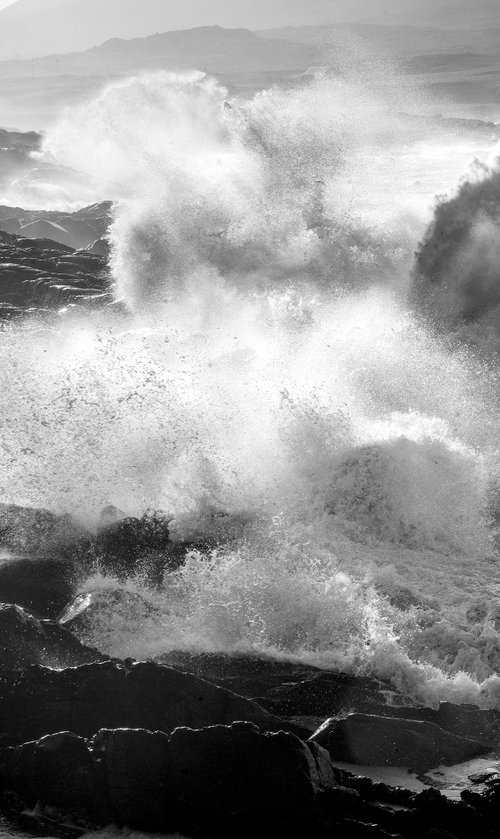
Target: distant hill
[
  {"x": 33, "y": 92},
  {"x": 211, "y": 48},
  {"x": 458, "y": 66},
  {"x": 31, "y": 28}
]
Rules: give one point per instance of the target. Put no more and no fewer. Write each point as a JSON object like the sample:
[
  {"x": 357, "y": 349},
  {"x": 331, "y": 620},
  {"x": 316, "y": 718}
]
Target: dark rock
[
  {"x": 58, "y": 771},
  {"x": 40, "y": 701},
  {"x": 489, "y": 777},
  {"x": 25, "y": 641},
  {"x": 388, "y": 741},
  {"x": 222, "y": 782},
  {"x": 468, "y": 721},
  {"x": 135, "y": 765},
  {"x": 194, "y": 780},
  {"x": 326, "y": 694},
  {"x": 41, "y": 585},
  {"x": 121, "y": 544},
  {"x": 298, "y": 690},
  {"x": 251, "y": 676},
  {"x": 238, "y": 769}
]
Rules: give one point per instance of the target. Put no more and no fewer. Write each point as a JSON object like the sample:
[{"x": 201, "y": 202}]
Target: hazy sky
[{"x": 261, "y": 13}]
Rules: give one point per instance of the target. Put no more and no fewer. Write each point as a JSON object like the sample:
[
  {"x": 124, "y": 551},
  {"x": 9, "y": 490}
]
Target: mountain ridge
[{"x": 32, "y": 28}]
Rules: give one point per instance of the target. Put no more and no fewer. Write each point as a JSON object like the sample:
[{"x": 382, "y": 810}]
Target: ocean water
[{"x": 265, "y": 380}]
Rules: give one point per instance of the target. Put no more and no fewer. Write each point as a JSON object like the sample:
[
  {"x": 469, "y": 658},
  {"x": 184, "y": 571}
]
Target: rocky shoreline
[{"x": 205, "y": 745}]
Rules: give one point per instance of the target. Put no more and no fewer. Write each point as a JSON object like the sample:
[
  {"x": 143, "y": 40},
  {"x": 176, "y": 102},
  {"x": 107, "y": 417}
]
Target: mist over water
[{"x": 265, "y": 382}]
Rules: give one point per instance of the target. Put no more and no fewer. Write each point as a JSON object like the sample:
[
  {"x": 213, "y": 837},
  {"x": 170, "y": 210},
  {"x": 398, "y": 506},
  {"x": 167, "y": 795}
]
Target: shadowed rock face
[
  {"x": 59, "y": 770},
  {"x": 194, "y": 779},
  {"x": 300, "y": 691},
  {"x": 208, "y": 774},
  {"x": 221, "y": 782},
  {"x": 39, "y": 701},
  {"x": 382, "y": 741},
  {"x": 24, "y": 641}
]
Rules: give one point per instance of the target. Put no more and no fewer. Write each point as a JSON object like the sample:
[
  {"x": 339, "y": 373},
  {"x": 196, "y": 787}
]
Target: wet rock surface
[
  {"x": 24, "y": 640},
  {"x": 389, "y": 741},
  {"x": 199, "y": 781},
  {"x": 296, "y": 690},
  {"x": 42, "y": 274},
  {"x": 205, "y": 745},
  {"x": 222, "y": 781},
  {"x": 41, "y": 701}
]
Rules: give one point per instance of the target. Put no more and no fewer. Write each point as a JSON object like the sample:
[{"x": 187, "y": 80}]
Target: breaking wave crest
[{"x": 267, "y": 383}]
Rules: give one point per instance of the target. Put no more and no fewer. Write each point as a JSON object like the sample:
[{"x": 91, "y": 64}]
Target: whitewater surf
[{"x": 266, "y": 378}]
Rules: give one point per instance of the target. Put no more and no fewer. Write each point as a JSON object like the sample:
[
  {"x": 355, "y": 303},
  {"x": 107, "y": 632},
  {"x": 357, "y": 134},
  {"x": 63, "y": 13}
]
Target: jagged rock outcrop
[
  {"x": 389, "y": 741},
  {"x": 206, "y": 777},
  {"x": 297, "y": 690},
  {"x": 43, "y": 274},
  {"x": 40, "y": 701},
  {"x": 56, "y": 771},
  {"x": 193, "y": 780},
  {"x": 25, "y": 641},
  {"x": 221, "y": 781}
]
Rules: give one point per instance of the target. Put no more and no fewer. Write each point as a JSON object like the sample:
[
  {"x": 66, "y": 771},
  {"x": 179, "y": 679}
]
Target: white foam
[{"x": 269, "y": 369}]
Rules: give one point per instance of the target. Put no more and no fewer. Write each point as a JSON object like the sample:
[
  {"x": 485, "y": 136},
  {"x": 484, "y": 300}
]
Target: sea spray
[{"x": 265, "y": 368}]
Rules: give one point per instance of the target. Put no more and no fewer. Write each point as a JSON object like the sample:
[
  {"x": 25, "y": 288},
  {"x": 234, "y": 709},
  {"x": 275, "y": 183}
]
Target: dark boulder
[
  {"x": 58, "y": 771},
  {"x": 41, "y": 701},
  {"x": 122, "y": 545},
  {"x": 221, "y": 782},
  {"x": 42, "y": 585},
  {"x": 136, "y": 773},
  {"x": 203, "y": 776},
  {"x": 389, "y": 741},
  {"x": 292, "y": 689},
  {"x": 195, "y": 780},
  {"x": 25, "y": 640}
]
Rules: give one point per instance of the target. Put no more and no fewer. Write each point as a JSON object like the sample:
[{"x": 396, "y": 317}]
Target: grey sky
[{"x": 260, "y": 13}]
